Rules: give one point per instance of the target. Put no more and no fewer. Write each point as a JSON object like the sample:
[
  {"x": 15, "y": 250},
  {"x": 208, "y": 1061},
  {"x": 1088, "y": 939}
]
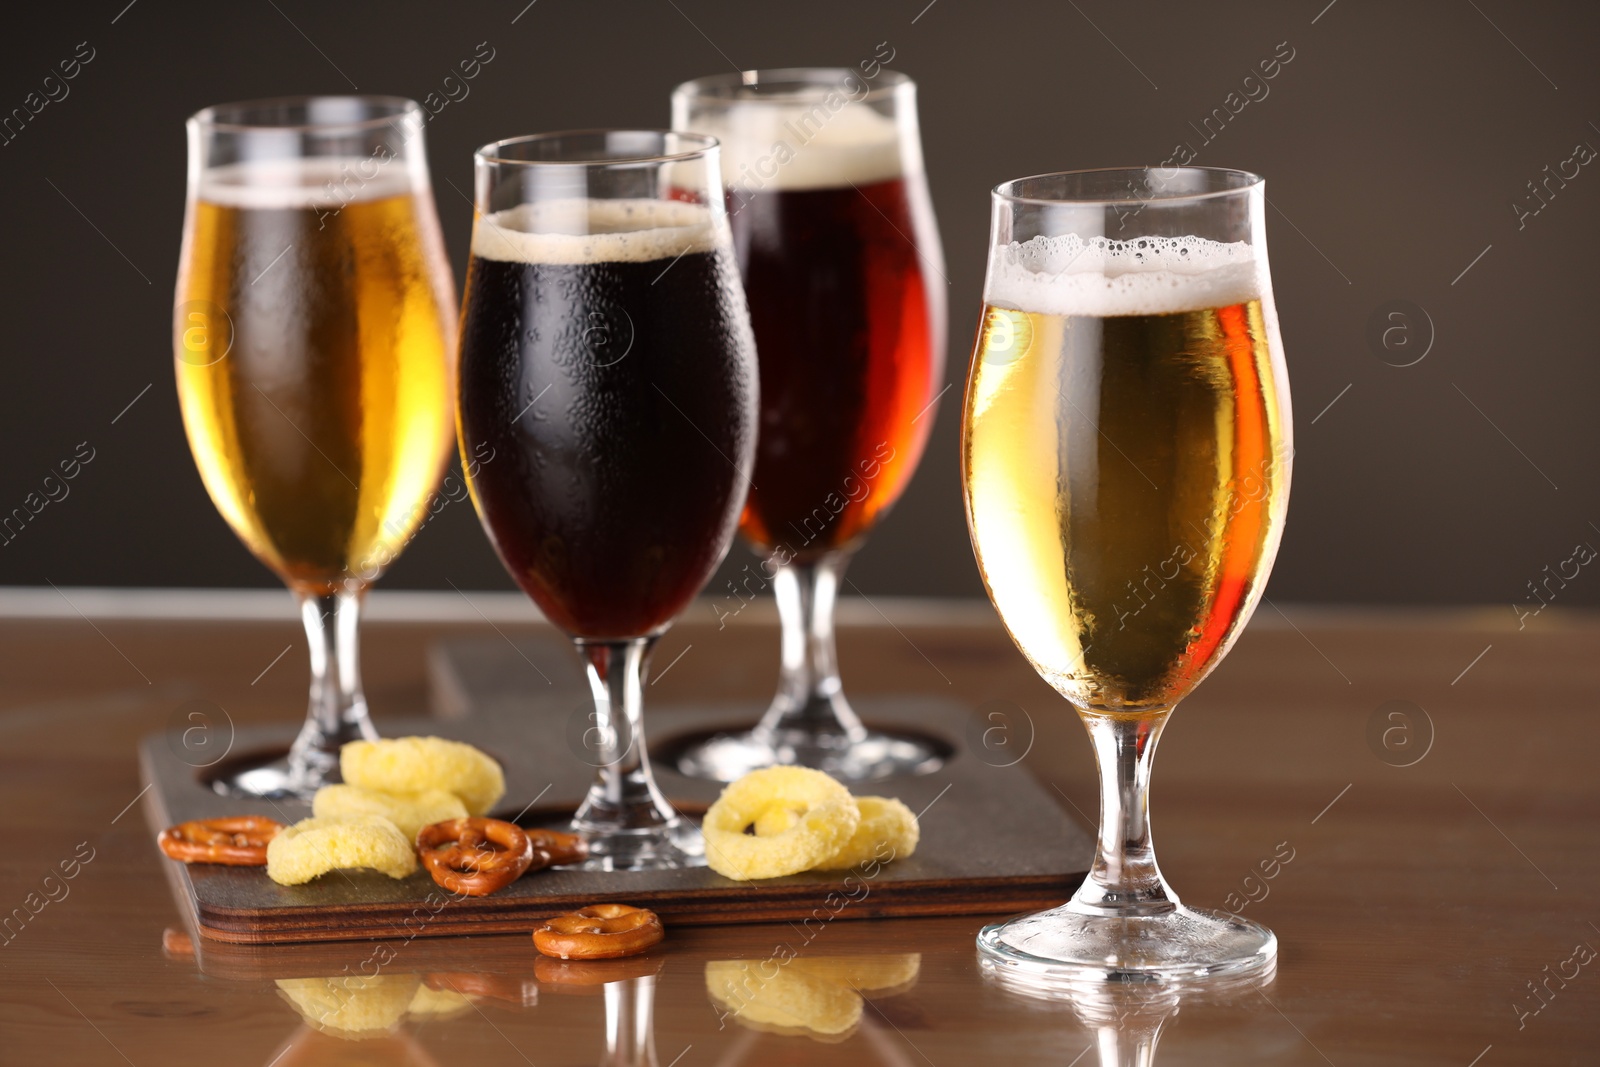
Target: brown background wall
[{"x": 1395, "y": 143}]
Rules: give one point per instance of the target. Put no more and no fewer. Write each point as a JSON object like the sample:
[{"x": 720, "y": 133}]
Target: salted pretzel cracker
[
  {"x": 598, "y": 932},
  {"x": 234, "y": 841},
  {"x": 824, "y": 817},
  {"x": 417, "y": 764},
  {"x": 888, "y": 830},
  {"x": 476, "y": 856},
  {"x": 408, "y": 811},
  {"x": 313, "y": 847},
  {"x": 562, "y": 848}
]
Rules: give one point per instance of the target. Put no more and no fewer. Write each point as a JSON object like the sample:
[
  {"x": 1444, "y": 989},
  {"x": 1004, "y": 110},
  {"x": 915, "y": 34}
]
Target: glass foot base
[
  {"x": 729, "y": 757},
  {"x": 272, "y": 780},
  {"x": 1061, "y": 948},
  {"x": 672, "y": 846}
]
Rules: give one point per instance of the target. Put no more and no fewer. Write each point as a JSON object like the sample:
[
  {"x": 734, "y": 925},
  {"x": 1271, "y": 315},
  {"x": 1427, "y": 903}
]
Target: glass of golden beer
[
  {"x": 314, "y": 341},
  {"x": 1126, "y": 455}
]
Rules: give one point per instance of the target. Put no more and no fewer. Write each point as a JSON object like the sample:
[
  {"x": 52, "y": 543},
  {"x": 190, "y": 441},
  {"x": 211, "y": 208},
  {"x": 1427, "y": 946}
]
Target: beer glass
[
  {"x": 840, "y": 260},
  {"x": 313, "y": 337},
  {"x": 607, "y": 365},
  {"x": 1125, "y": 459}
]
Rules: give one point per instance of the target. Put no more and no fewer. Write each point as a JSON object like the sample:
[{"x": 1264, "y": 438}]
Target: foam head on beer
[
  {"x": 807, "y": 145},
  {"x": 597, "y": 231},
  {"x": 1068, "y": 275},
  {"x": 321, "y": 183}
]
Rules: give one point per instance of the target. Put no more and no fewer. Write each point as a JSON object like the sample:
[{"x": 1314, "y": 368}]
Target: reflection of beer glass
[
  {"x": 1126, "y": 467},
  {"x": 840, "y": 260},
  {"x": 1125, "y": 1019},
  {"x": 607, "y": 363},
  {"x": 313, "y": 341}
]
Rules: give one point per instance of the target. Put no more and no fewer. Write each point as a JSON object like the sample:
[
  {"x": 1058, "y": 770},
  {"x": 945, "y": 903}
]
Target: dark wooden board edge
[{"x": 921, "y": 900}]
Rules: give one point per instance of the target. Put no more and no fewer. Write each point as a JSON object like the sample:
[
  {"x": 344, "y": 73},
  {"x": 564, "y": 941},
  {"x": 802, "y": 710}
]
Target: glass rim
[
  {"x": 704, "y": 144},
  {"x": 210, "y": 117},
  {"x": 744, "y": 87},
  {"x": 1246, "y": 181}
]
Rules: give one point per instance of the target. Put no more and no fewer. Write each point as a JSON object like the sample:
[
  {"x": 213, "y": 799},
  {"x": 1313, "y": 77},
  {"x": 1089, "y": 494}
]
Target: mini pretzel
[
  {"x": 562, "y": 848},
  {"x": 598, "y": 932},
  {"x": 237, "y": 840},
  {"x": 475, "y": 856}
]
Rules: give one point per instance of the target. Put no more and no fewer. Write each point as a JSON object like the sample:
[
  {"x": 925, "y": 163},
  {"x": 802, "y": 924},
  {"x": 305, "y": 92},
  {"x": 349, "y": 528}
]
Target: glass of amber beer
[
  {"x": 314, "y": 330},
  {"x": 607, "y": 362},
  {"x": 1125, "y": 458},
  {"x": 840, "y": 260}
]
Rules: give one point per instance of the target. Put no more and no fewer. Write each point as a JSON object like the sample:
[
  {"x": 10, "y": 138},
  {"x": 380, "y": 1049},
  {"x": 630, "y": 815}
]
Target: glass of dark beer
[
  {"x": 608, "y": 367},
  {"x": 840, "y": 260},
  {"x": 314, "y": 345}
]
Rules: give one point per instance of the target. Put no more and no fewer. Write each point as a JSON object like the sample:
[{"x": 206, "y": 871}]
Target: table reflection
[
  {"x": 361, "y": 1019},
  {"x": 310, "y": 1047},
  {"x": 1125, "y": 1019},
  {"x": 815, "y": 997}
]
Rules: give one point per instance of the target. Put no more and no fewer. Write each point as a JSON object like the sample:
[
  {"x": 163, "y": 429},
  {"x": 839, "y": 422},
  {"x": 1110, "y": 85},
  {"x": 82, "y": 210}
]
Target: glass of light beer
[
  {"x": 840, "y": 259},
  {"x": 314, "y": 330},
  {"x": 1126, "y": 454},
  {"x": 607, "y": 362}
]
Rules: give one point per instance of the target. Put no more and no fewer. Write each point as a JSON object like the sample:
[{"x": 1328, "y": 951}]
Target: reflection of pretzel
[
  {"x": 475, "y": 856},
  {"x": 598, "y": 932},
  {"x": 237, "y": 841},
  {"x": 578, "y": 976},
  {"x": 521, "y": 992},
  {"x": 560, "y": 847}
]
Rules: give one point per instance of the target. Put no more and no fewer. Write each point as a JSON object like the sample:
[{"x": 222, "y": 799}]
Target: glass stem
[
  {"x": 624, "y": 796},
  {"x": 810, "y": 702},
  {"x": 630, "y": 1028},
  {"x": 1124, "y": 880},
  {"x": 338, "y": 708}
]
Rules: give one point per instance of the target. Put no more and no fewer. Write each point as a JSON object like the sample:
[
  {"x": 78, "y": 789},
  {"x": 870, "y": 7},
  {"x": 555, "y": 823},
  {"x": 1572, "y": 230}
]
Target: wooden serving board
[{"x": 992, "y": 839}]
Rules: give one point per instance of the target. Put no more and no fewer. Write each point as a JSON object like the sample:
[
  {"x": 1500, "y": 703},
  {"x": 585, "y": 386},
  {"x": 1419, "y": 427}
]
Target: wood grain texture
[{"x": 1420, "y": 902}]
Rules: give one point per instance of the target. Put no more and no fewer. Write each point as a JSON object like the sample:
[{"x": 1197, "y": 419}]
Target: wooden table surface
[{"x": 1420, "y": 908}]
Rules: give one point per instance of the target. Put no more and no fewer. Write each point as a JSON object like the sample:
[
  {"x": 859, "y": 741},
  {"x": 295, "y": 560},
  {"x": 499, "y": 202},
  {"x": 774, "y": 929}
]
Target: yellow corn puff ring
[
  {"x": 313, "y": 847},
  {"x": 775, "y": 819},
  {"x": 825, "y": 818},
  {"x": 354, "y": 1006},
  {"x": 770, "y": 996},
  {"x": 418, "y": 764},
  {"x": 409, "y": 811},
  {"x": 887, "y": 831}
]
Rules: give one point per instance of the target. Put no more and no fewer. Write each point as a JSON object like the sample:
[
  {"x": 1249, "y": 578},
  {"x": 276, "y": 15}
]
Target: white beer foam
[
  {"x": 597, "y": 231},
  {"x": 323, "y": 182},
  {"x": 1067, "y": 275},
  {"x": 768, "y": 146}
]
